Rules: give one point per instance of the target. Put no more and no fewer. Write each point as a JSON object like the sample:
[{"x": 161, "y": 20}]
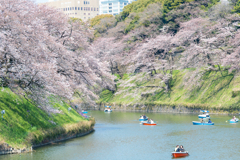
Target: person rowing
[
  {"x": 144, "y": 116},
  {"x": 177, "y": 149},
  {"x": 182, "y": 149},
  {"x": 233, "y": 119},
  {"x": 209, "y": 121},
  {"x": 151, "y": 121}
]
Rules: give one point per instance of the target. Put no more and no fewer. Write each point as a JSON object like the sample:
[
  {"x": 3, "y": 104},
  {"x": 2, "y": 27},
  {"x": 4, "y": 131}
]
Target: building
[
  {"x": 113, "y": 7},
  {"x": 84, "y": 9}
]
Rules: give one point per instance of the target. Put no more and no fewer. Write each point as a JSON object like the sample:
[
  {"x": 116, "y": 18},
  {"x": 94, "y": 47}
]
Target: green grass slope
[
  {"x": 215, "y": 90},
  {"x": 22, "y": 119}
]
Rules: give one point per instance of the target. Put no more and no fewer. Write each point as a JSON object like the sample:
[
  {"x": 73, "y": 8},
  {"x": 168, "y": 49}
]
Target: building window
[
  {"x": 84, "y": 8},
  {"x": 110, "y": 7},
  {"x": 97, "y": 9},
  {"x": 91, "y": 9},
  {"x": 88, "y": 13},
  {"x": 110, "y": 4},
  {"x": 88, "y": 17},
  {"x": 110, "y": 11},
  {"x": 63, "y": 9},
  {"x": 75, "y": 8},
  {"x": 72, "y": 8},
  {"x": 84, "y": 17},
  {"x": 94, "y": 9},
  {"x": 84, "y": 2},
  {"x": 125, "y": 3},
  {"x": 84, "y": 13},
  {"x": 75, "y": 13},
  {"x": 81, "y": 8}
]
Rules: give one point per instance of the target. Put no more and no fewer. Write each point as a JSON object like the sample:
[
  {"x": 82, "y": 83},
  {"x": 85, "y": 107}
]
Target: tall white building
[
  {"x": 84, "y": 9},
  {"x": 113, "y": 7}
]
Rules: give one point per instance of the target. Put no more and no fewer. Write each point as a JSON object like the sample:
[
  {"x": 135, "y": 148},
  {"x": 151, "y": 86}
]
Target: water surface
[{"x": 118, "y": 135}]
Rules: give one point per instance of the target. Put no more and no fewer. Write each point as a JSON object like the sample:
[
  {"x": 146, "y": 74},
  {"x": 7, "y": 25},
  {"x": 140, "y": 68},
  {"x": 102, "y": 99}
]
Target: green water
[{"x": 118, "y": 135}]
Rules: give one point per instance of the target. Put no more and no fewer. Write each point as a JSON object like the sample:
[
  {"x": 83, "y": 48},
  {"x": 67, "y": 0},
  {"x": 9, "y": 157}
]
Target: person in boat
[
  {"x": 233, "y": 119},
  {"x": 202, "y": 120},
  {"x": 151, "y": 121},
  {"x": 209, "y": 121},
  {"x": 144, "y": 116},
  {"x": 177, "y": 149},
  {"x": 148, "y": 120},
  {"x": 182, "y": 149}
]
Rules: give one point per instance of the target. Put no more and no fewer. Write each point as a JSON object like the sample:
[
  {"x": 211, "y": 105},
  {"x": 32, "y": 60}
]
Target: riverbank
[
  {"x": 25, "y": 126},
  {"x": 154, "y": 108},
  {"x": 215, "y": 91}
]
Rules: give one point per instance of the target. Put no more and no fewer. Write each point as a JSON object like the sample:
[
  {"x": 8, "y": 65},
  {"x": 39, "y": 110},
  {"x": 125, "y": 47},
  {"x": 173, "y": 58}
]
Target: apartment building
[
  {"x": 113, "y": 7},
  {"x": 84, "y": 9}
]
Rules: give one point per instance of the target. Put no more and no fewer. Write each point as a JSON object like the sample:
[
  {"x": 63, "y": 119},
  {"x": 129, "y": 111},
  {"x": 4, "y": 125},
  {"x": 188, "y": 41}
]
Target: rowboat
[
  {"x": 143, "y": 119},
  {"x": 149, "y": 124},
  {"x": 199, "y": 123},
  {"x": 108, "y": 109},
  {"x": 233, "y": 121},
  {"x": 180, "y": 154},
  {"x": 204, "y": 115}
]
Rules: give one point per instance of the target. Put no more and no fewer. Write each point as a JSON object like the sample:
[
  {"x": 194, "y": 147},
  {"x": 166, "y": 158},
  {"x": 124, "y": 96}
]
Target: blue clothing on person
[{"x": 209, "y": 121}]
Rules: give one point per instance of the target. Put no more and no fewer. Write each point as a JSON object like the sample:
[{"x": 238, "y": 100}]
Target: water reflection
[{"x": 119, "y": 135}]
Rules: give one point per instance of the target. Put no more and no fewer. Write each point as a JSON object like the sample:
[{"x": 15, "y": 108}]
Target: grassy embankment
[
  {"x": 25, "y": 124},
  {"x": 215, "y": 91}
]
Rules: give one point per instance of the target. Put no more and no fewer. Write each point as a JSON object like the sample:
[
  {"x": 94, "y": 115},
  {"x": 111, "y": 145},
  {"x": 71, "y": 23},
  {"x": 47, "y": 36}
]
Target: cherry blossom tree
[{"x": 43, "y": 53}]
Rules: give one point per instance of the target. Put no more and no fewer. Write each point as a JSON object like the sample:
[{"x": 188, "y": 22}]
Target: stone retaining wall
[
  {"x": 62, "y": 138},
  {"x": 154, "y": 108},
  {"x": 6, "y": 149}
]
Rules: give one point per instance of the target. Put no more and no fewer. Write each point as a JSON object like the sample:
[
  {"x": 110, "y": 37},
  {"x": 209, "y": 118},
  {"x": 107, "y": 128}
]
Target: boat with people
[
  {"x": 202, "y": 123},
  {"x": 107, "y": 109},
  {"x": 143, "y": 118},
  {"x": 179, "y": 151},
  {"x": 149, "y": 122},
  {"x": 85, "y": 112},
  {"x": 205, "y": 114},
  {"x": 234, "y": 120},
  {"x": 180, "y": 154}
]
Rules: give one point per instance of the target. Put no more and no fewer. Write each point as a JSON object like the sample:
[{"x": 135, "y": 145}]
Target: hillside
[
  {"x": 24, "y": 124},
  {"x": 214, "y": 91},
  {"x": 187, "y": 55}
]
